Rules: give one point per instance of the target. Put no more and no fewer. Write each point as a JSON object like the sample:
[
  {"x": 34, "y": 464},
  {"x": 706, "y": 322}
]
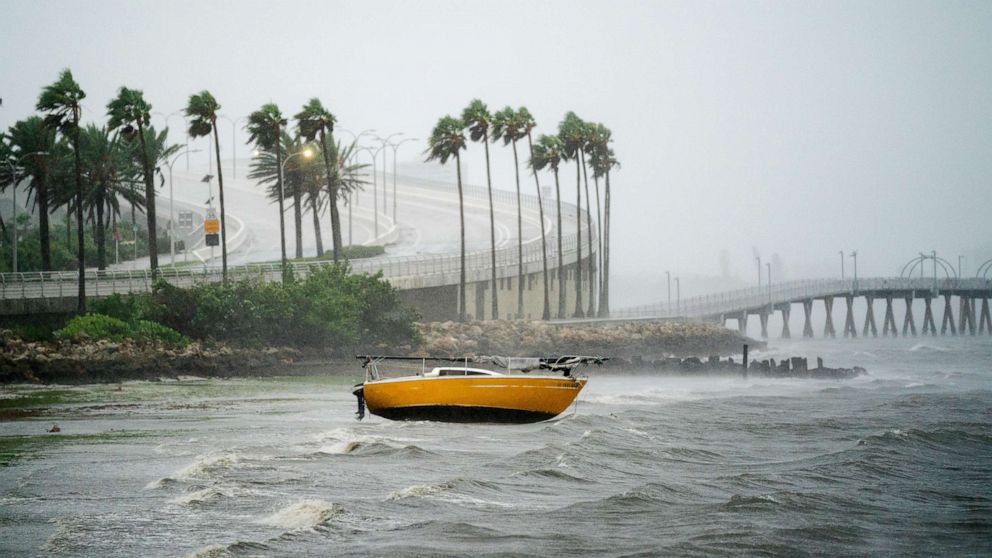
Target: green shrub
[{"x": 99, "y": 326}]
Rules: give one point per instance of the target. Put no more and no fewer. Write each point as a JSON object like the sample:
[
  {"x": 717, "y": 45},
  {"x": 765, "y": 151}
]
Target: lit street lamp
[
  {"x": 15, "y": 180},
  {"x": 306, "y": 152}
]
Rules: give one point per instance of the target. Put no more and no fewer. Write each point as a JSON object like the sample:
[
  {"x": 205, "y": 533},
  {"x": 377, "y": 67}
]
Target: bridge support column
[
  {"x": 967, "y": 315},
  {"x": 786, "y": 310},
  {"x": 889, "y": 322},
  {"x": 763, "y": 316},
  {"x": 948, "y": 321},
  {"x": 807, "y": 323},
  {"x": 928, "y": 324},
  {"x": 870, "y": 318},
  {"x": 908, "y": 325},
  {"x": 849, "y": 328},
  {"x": 985, "y": 320},
  {"x": 828, "y": 328},
  {"x": 742, "y": 323}
]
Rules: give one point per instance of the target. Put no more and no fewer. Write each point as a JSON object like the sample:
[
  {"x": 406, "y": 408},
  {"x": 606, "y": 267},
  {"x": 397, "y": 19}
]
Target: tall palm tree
[
  {"x": 477, "y": 119},
  {"x": 265, "y": 169},
  {"x": 201, "y": 110},
  {"x": 597, "y": 144},
  {"x": 130, "y": 112},
  {"x": 571, "y": 131},
  {"x": 527, "y": 124},
  {"x": 549, "y": 152},
  {"x": 62, "y": 103},
  {"x": 588, "y": 136},
  {"x": 265, "y": 127},
  {"x": 316, "y": 122},
  {"x": 446, "y": 141},
  {"x": 110, "y": 173},
  {"x": 508, "y": 126},
  {"x": 603, "y": 160},
  {"x": 31, "y": 146}
]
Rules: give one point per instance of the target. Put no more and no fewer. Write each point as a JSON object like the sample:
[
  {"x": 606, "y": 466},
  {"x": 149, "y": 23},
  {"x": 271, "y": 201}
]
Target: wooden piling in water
[
  {"x": 908, "y": 324},
  {"x": 928, "y": 324},
  {"x": 948, "y": 321},
  {"x": 849, "y": 329},
  {"x": 870, "y": 318},
  {"x": 808, "y": 322},
  {"x": 889, "y": 322},
  {"x": 828, "y": 328}
]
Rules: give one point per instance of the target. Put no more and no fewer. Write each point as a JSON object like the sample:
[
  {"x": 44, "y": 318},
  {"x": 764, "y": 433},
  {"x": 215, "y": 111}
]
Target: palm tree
[
  {"x": 597, "y": 146},
  {"x": 588, "y": 136},
  {"x": 549, "y": 152},
  {"x": 603, "y": 160},
  {"x": 447, "y": 139},
  {"x": 62, "y": 101},
  {"x": 130, "y": 112},
  {"x": 31, "y": 145},
  {"x": 527, "y": 124},
  {"x": 572, "y": 134},
  {"x": 109, "y": 174},
  {"x": 477, "y": 119},
  {"x": 265, "y": 169},
  {"x": 202, "y": 113},
  {"x": 508, "y": 127},
  {"x": 315, "y": 122},
  {"x": 265, "y": 127}
]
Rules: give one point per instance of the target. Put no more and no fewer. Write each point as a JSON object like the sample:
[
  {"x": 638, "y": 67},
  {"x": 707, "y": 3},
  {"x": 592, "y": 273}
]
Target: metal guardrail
[{"x": 748, "y": 299}]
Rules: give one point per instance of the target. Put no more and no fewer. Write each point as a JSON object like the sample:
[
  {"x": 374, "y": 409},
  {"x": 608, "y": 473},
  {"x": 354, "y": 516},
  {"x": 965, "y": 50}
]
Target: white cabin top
[{"x": 459, "y": 371}]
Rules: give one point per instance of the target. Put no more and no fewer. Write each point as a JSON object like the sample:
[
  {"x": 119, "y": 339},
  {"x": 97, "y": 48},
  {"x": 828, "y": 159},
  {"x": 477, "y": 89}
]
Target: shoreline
[{"x": 102, "y": 361}]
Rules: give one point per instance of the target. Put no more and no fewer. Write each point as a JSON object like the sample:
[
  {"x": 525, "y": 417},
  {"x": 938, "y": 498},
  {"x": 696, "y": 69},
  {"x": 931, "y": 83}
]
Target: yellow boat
[{"x": 459, "y": 393}]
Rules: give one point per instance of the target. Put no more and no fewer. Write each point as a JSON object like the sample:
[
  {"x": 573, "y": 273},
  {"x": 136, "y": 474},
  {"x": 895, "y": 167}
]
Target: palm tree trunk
[
  {"x": 43, "y": 225},
  {"x": 223, "y": 220},
  {"x": 150, "y": 204},
  {"x": 561, "y": 256},
  {"x": 80, "y": 233},
  {"x": 592, "y": 261},
  {"x": 282, "y": 214},
  {"x": 520, "y": 239},
  {"x": 316, "y": 226},
  {"x": 546, "y": 314},
  {"x": 332, "y": 198},
  {"x": 298, "y": 219},
  {"x": 461, "y": 221},
  {"x": 579, "y": 313},
  {"x": 604, "y": 300},
  {"x": 492, "y": 230},
  {"x": 599, "y": 244},
  {"x": 101, "y": 244}
]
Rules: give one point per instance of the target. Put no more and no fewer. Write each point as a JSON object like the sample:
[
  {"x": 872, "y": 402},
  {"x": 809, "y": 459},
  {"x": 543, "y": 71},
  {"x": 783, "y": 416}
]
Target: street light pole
[
  {"x": 841, "y": 265},
  {"x": 234, "y": 145},
  {"x": 172, "y": 209},
  {"x": 15, "y": 180},
  {"x": 375, "y": 212},
  {"x": 306, "y": 152},
  {"x": 678, "y": 297},
  {"x": 854, "y": 256},
  {"x": 384, "y": 143},
  {"x": 396, "y": 147}
]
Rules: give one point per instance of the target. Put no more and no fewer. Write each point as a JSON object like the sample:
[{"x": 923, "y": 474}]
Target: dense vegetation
[{"x": 329, "y": 309}]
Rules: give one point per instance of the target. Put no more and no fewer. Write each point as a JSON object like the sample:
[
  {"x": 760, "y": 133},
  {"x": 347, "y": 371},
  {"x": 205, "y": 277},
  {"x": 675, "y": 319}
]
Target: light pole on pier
[
  {"x": 770, "y": 308},
  {"x": 678, "y": 297},
  {"x": 668, "y": 275},
  {"x": 933, "y": 254},
  {"x": 841, "y": 265},
  {"x": 854, "y": 256},
  {"x": 759, "y": 270}
]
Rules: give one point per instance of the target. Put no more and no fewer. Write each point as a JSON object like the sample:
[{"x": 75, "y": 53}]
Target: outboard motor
[{"x": 359, "y": 393}]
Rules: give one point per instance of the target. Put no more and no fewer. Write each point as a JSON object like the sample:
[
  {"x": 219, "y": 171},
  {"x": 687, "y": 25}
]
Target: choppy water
[{"x": 899, "y": 462}]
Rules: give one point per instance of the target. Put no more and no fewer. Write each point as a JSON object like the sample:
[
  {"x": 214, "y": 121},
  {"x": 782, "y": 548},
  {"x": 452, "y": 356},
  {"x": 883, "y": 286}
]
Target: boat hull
[{"x": 502, "y": 399}]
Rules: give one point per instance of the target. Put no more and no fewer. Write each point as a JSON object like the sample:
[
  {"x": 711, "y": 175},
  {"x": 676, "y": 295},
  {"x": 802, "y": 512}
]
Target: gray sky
[{"x": 796, "y": 128}]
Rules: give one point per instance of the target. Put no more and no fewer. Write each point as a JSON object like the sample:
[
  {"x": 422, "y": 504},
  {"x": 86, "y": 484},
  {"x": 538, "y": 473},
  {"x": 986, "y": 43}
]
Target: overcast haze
[{"x": 798, "y": 128}]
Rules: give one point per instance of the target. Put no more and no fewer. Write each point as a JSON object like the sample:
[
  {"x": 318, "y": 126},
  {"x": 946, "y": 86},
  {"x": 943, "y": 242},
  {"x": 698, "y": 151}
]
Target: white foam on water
[
  {"x": 419, "y": 491},
  {"x": 199, "y": 496},
  {"x": 211, "y": 551},
  {"x": 302, "y": 515},
  {"x": 924, "y": 347},
  {"x": 204, "y": 463}
]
